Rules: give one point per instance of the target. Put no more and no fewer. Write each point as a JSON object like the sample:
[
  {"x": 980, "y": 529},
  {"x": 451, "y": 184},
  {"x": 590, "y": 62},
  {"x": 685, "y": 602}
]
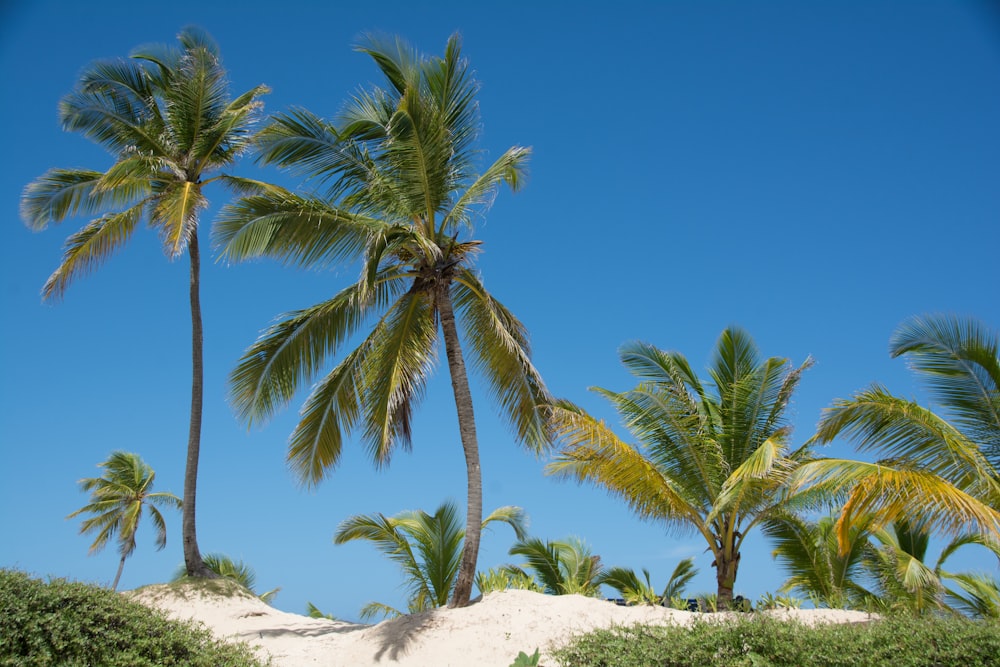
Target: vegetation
[
  {"x": 117, "y": 501},
  {"x": 754, "y": 640},
  {"x": 938, "y": 472},
  {"x": 428, "y": 547},
  {"x": 560, "y": 567},
  {"x": 711, "y": 461},
  {"x": 66, "y": 623},
  {"x": 238, "y": 571},
  {"x": 167, "y": 118},
  {"x": 403, "y": 194},
  {"x": 636, "y": 591}
]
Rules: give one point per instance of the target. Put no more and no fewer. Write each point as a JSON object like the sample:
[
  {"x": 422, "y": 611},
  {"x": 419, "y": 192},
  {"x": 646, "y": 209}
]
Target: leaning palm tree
[
  {"x": 167, "y": 118},
  {"x": 712, "y": 461},
  {"x": 117, "y": 501},
  {"x": 938, "y": 469},
  {"x": 428, "y": 547},
  {"x": 403, "y": 196}
]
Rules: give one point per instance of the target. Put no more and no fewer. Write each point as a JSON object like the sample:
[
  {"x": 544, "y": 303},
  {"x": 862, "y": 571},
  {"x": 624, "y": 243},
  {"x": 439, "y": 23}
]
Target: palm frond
[
  {"x": 509, "y": 168},
  {"x": 60, "y": 193},
  {"x": 502, "y": 355},
  {"x": 86, "y": 249}
]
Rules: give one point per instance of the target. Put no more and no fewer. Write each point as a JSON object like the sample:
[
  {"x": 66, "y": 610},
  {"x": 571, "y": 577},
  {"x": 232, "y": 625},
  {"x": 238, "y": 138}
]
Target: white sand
[{"x": 489, "y": 632}]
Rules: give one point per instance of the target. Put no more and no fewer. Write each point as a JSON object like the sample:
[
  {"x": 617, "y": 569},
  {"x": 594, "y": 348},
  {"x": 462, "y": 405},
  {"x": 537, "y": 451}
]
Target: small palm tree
[
  {"x": 810, "y": 552},
  {"x": 238, "y": 571},
  {"x": 117, "y": 501},
  {"x": 403, "y": 198},
  {"x": 560, "y": 567},
  {"x": 715, "y": 461},
  {"x": 167, "y": 118},
  {"x": 939, "y": 470},
  {"x": 638, "y": 591},
  {"x": 428, "y": 547}
]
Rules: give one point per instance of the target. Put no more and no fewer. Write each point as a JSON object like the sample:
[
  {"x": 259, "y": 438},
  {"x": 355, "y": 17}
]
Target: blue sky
[{"x": 813, "y": 172}]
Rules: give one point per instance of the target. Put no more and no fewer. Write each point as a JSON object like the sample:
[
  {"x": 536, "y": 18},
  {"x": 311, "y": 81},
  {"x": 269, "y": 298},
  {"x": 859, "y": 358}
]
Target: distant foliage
[{"x": 67, "y": 623}]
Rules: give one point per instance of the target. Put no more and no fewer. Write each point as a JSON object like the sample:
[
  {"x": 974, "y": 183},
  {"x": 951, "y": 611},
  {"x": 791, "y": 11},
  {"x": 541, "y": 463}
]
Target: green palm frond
[
  {"x": 592, "y": 452},
  {"x": 959, "y": 359},
  {"x": 401, "y": 355},
  {"x": 682, "y": 575},
  {"x": 502, "y": 355},
  {"x": 60, "y": 193},
  {"x": 301, "y": 142},
  {"x": 510, "y": 168},
  {"x": 298, "y": 230}
]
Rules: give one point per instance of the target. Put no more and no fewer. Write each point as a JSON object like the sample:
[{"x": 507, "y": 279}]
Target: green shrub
[
  {"x": 758, "y": 640},
  {"x": 72, "y": 624}
]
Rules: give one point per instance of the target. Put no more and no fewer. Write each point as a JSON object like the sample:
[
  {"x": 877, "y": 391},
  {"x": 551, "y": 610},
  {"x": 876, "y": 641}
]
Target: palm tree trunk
[
  {"x": 725, "y": 574},
  {"x": 192, "y": 556},
  {"x": 118, "y": 575},
  {"x": 470, "y": 445}
]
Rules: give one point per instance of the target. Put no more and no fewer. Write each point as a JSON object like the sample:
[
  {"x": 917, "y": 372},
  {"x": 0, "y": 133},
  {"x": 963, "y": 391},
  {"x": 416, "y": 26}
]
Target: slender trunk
[
  {"x": 192, "y": 557},
  {"x": 470, "y": 445},
  {"x": 118, "y": 575}
]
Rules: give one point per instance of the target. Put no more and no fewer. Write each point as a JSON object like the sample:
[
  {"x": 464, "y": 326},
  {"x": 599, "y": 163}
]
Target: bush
[
  {"x": 74, "y": 624},
  {"x": 758, "y": 641}
]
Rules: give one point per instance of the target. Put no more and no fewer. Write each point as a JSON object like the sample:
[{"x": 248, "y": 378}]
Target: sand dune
[{"x": 490, "y": 632}]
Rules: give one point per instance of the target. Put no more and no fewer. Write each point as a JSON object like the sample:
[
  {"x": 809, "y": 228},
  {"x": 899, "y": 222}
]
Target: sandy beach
[{"x": 489, "y": 632}]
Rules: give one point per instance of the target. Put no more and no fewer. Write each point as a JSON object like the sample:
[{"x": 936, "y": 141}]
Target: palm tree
[
  {"x": 810, "y": 552},
  {"x": 939, "y": 470},
  {"x": 117, "y": 501},
  {"x": 403, "y": 198},
  {"x": 561, "y": 567},
  {"x": 238, "y": 571},
  {"x": 428, "y": 547},
  {"x": 711, "y": 461},
  {"x": 907, "y": 581},
  {"x": 636, "y": 591},
  {"x": 166, "y": 117}
]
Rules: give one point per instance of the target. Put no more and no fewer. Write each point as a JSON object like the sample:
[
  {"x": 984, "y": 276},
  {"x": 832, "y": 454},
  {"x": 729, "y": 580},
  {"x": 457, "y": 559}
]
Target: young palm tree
[
  {"x": 167, "y": 118},
  {"x": 636, "y": 591},
  {"x": 941, "y": 470},
  {"x": 238, "y": 571},
  {"x": 427, "y": 546},
  {"x": 561, "y": 567},
  {"x": 403, "y": 198},
  {"x": 712, "y": 461},
  {"x": 810, "y": 553},
  {"x": 117, "y": 501}
]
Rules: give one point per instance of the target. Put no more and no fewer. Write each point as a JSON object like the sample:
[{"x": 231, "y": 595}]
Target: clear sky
[{"x": 815, "y": 172}]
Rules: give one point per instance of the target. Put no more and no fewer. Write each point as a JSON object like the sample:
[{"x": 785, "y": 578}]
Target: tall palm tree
[
  {"x": 941, "y": 470},
  {"x": 167, "y": 118},
  {"x": 714, "y": 461},
  {"x": 404, "y": 193},
  {"x": 117, "y": 501},
  {"x": 427, "y": 546}
]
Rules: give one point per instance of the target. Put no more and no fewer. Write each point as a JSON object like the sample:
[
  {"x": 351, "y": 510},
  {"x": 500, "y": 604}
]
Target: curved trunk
[
  {"x": 470, "y": 445},
  {"x": 118, "y": 575},
  {"x": 192, "y": 557}
]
